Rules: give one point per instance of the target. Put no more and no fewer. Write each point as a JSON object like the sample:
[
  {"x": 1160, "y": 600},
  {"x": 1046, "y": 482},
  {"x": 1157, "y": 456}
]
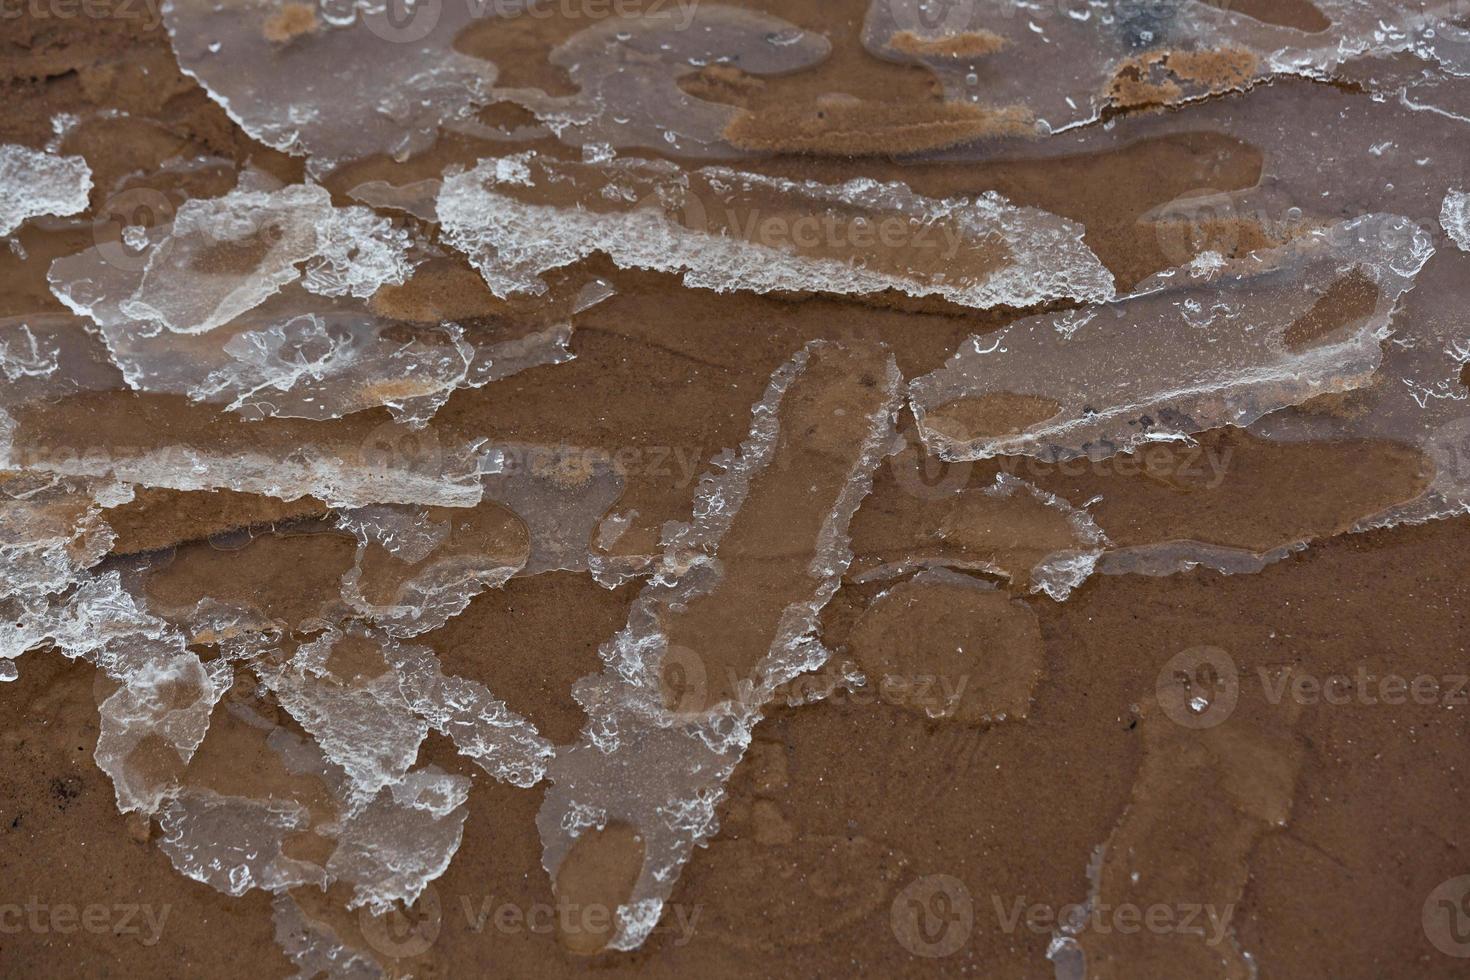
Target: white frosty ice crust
[
  {"x": 33, "y": 183},
  {"x": 1455, "y": 218},
  {"x": 725, "y": 230}
]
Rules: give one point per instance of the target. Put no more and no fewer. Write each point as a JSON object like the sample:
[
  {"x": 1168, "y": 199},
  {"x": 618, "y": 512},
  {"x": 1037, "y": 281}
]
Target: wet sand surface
[{"x": 1144, "y": 707}]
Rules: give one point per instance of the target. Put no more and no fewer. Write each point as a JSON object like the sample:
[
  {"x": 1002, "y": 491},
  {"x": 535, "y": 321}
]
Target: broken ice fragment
[
  {"x": 334, "y": 85},
  {"x": 402, "y": 840},
  {"x": 1422, "y": 401},
  {"x": 559, "y": 492},
  {"x": 416, "y": 568},
  {"x": 1189, "y": 350},
  {"x": 222, "y": 257},
  {"x": 343, "y": 693},
  {"x": 729, "y": 616},
  {"x": 315, "y": 948},
  {"x": 234, "y": 844},
  {"x": 1066, "y": 62},
  {"x": 167, "y": 699},
  {"x": 34, "y": 183},
  {"x": 724, "y": 230},
  {"x": 500, "y": 741},
  {"x": 1456, "y": 218},
  {"x": 24, "y": 355},
  {"x": 628, "y": 71}
]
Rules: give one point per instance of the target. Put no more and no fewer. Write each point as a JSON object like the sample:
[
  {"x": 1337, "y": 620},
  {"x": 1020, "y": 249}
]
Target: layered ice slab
[
  {"x": 519, "y": 217},
  {"x": 34, "y": 183},
  {"x": 729, "y": 615},
  {"x": 1065, "y": 62},
  {"x": 335, "y": 81},
  {"x": 1209, "y": 344}
]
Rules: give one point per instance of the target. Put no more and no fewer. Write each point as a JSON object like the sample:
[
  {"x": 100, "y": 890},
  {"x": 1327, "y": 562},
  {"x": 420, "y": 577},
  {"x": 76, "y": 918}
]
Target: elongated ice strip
[
  {"x": 1210, "y": 344},
  {"x": 730, "y": 614},
  {"x": 519, "y": 217}
]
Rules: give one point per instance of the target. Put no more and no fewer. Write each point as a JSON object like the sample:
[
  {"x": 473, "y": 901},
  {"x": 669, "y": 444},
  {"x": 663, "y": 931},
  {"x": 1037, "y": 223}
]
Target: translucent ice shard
[
  {"x": 169, "y": 701},
  {"x": 337, "y": 82},
  {"x": 222, "y": 257},
  {"x": 1455, "y": 218},
  {"x": 34, "y": 183},
  {"x": 1421, "y": 401},
  {"x": 500, "y": 741},
  {"x": 343, "y": 693},
  {"x": 315, "y": 947},
  {"x": 1066, "y": 62},
  {"x": 730, "y": 614},
  {"x": 234, "y": 844},
  {"x": 519, "y": 217},
  {"x": 401, "y": 840},
  {"x": 560, "y": 493},
  {"x": 1201, "y": 346},
  {"x": 628, "y": 70},
  {"x": 66, "y": 423},
  {"x": 1007, "y": 527},
  {"x": 418, "y": 567}
]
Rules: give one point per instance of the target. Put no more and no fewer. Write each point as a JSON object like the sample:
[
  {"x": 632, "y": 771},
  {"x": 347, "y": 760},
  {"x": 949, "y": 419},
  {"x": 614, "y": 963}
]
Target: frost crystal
[
  {"x": 1455, "y": 218},
  {"x": 34, "y": 183}
]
